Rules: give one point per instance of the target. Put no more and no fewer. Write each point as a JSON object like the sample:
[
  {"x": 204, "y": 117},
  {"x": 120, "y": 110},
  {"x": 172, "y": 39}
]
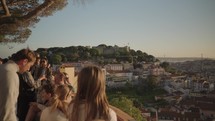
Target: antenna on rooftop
[{"x": 201, "y": 62}]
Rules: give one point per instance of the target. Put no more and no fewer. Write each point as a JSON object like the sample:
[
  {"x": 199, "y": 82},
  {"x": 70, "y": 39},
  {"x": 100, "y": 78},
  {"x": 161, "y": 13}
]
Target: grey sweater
[{"x": 9, "y": 91}]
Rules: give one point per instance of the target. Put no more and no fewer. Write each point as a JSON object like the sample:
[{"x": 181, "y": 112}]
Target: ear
[{"x": 24, "y": 62}]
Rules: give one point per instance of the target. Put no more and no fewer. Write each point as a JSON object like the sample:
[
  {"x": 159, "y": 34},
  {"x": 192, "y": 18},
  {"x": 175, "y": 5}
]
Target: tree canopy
[
  {"x": 126, "y": 105},
  {"x": 17, "y": 16},
  {"x": 81, "y": 53}
]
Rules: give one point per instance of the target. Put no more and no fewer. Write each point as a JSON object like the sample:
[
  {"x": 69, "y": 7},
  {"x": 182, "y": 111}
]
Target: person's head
[
  {"x": 37, "y": 62},
  {"x": 24, "y": 58},
  {"x": 47, "y": 92},
  {"x": 59, "y": 78},
  {"x": 44, "y": 62},
  {"x": 91, "y": 89},
  {"x": 61, "y": 98},
  {"x": 63, "y": 93},
  {"x": 91, "y": 83}
]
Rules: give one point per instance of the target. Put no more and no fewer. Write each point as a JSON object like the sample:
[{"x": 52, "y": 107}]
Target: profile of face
[
  {"x": 37, "y": 61},
  {"x": 44, "y": 95},
  {"x": 69, "y": 97},
  {"x": 43, "y": 62},
  {"x": 25, "y": 65},
  {"x": 57, "y": 79}
]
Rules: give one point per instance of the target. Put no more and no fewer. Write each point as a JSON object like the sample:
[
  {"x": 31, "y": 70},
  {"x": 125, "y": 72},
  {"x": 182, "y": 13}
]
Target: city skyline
[{"x": 160, "y": 28}]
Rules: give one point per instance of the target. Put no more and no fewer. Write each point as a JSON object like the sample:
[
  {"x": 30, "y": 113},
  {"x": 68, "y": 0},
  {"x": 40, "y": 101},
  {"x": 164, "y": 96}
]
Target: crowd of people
[{"x": 31, "y": 91}]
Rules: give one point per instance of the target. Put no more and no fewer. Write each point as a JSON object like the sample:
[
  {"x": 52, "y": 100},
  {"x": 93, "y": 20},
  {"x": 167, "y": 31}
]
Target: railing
[{"x": 122, "y": 116}]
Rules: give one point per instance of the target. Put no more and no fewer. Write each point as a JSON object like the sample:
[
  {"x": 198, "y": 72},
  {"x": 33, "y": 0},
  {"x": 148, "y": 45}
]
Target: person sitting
[
  {"x": 90, "y": 102},
  {"x": 59, "y": 78},
  {"x": 58, "y": 109},
  {"x": 34, "y": 112}
]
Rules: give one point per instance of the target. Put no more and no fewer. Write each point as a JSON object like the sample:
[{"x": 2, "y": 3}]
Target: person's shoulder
[
  {"x": 10, "y": 66},
  {"x": 112, "y": 111},
  {"x": 46, "y": 110},
  {"x": 70, "y": 106},
  {"x": 9, "y": 70},
  {"x": 112, "y": 114}
]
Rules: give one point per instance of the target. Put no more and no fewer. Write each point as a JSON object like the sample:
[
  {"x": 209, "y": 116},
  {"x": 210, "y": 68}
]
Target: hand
[{"x": 43, "y": 77}]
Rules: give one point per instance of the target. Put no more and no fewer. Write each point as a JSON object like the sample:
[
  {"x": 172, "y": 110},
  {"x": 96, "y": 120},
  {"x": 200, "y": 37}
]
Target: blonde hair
[
  {"x": 58, "y": 102},
  {"x": 91, "y": 91}
]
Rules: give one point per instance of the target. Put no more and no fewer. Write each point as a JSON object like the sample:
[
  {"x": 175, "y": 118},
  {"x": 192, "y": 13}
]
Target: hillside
[{"x": 100, "y": 54}]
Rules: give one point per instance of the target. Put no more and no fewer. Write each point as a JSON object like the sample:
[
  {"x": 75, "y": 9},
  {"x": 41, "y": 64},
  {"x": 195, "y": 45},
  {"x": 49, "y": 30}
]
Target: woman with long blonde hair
[
  {"x": 58, "y": 109},
  {"x": 90, "y": 102}
]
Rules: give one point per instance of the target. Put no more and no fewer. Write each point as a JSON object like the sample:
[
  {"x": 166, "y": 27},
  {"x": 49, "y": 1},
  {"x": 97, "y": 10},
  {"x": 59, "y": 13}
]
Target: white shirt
[{"x": 82, "y": 114}]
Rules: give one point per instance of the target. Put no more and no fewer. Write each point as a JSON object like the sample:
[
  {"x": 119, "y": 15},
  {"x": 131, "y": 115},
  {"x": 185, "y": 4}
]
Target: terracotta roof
[{"x": 179, "y": 115}]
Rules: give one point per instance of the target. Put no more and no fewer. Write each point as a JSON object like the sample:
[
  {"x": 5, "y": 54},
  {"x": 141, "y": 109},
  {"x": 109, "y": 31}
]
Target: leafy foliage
[
  {"x": 56, "y": 59},
  {"x": 23, "y": 14},
  {"x": 81, "y": 53},
  {"x": 127, "y": 106},
  {"x": 147, "y": 85}
]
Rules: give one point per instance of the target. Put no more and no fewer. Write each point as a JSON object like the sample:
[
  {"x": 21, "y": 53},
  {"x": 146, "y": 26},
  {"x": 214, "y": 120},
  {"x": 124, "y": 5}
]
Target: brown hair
[
  {"x": 91, "y": 91},
  {"x": 49, "y": 88},
  {"x": 24, "y": 54}
]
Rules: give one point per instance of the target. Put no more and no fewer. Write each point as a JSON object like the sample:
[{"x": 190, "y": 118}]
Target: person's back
[
  {"x": 20, "y": 62},
  {"x": 90, "y": 102},
  {"x": 8, "y": 98},
  {"x": 55, "y": 115},
  {"x": 82, "y": 114}
]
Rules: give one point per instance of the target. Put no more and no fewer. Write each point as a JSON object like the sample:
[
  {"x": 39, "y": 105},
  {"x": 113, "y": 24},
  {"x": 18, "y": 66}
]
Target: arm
[
  {"x": 11, "y": 92},
  {"x": 32, "y": 111},
  {"x": 30, "y": 80},
  {"x": 43, "y": 115},
  {"x": 112, "y": 115}
]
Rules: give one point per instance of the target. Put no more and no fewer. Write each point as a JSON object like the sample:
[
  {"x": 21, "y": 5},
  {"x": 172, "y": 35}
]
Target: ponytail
[
  {"x": 60, "y": 105},
  {"x": 59, "y": 99}
]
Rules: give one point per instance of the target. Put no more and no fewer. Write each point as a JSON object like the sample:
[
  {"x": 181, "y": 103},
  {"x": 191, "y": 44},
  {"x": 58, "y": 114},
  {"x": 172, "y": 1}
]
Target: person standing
[
  {"x": 90, "y": 102},
  {"x": 19, "y": 62}
]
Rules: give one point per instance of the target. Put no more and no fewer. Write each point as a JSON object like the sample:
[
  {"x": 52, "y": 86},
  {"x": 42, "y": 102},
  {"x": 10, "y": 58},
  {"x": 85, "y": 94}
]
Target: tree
[
  {"x": 164, "y": 65},
  {"x": 5, "y": 8},
  {"x": 94, "y": 52},
  {"x": 56, "y": 59},
  {"x": 20, "y": 15},
  {"x": 146, "y": 85},
  {"x": 133, "y": 52},
  {"x": 127, "y": 106},
  {"x": 151, "y": 82}
]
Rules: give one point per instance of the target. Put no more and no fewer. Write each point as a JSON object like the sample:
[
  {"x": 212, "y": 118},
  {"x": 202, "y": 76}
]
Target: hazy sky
[{"x": 170, "y": 28}]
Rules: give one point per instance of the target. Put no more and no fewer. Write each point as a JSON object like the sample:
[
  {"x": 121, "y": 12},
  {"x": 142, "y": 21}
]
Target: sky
[{"x": 162, "y": 28}]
